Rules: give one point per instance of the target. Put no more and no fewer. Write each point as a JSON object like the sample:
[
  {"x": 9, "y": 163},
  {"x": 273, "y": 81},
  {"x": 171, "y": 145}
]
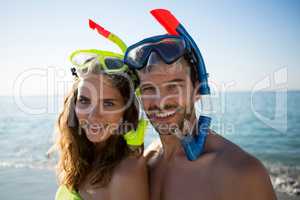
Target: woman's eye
[
  {"x": 84, "y": 101},
  {"x": 108, "y": 104}
]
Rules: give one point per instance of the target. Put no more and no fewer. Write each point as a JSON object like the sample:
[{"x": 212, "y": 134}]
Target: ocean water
[{"x": 267, "y": 126}]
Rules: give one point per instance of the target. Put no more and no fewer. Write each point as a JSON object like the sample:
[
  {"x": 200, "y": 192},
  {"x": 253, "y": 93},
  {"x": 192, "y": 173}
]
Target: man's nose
[{"x": 160, "y": 99}]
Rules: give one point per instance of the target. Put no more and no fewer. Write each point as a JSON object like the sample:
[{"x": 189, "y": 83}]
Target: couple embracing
[{"x": 101, "y": 128}]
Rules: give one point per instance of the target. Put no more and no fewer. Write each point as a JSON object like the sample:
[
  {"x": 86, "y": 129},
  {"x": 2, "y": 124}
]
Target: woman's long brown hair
[{"x": 77, "y": 154}]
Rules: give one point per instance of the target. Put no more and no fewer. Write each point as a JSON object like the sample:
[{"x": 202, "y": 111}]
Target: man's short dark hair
[{"x": 193, "y": 69}]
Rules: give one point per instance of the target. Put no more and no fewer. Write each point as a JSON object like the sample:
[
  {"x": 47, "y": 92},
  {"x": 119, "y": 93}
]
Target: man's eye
[
  {"x": 173, "y": 87},
  {"x": 148, "y": 90}
]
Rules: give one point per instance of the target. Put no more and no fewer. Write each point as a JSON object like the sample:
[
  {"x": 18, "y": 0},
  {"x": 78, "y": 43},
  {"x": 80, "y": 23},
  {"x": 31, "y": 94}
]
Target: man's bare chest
[{"x": 178, "y": 181}]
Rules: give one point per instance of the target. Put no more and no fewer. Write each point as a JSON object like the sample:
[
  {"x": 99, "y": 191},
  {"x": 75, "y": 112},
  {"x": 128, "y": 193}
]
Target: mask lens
[
  {"x": 80, "y": 59},
  {"x": 137, "y": 56},
  {"x": 113, "y": 63},
  {"x": 170, "y": 49}
]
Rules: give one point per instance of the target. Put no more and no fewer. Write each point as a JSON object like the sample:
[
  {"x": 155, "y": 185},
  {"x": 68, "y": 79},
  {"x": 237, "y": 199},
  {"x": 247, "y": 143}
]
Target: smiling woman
[{"x": 94, "y": 156}]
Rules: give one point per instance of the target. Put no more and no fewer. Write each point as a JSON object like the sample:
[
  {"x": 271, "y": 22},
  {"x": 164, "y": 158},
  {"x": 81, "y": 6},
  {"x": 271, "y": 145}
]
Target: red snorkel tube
[
  {"x": 108, "y": 35},
  {"x": 193, "y": 145},
  {"x": 102, "y": 31}
]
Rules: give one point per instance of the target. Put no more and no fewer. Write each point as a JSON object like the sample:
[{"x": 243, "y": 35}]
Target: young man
[{"x": 168, "y": 93}]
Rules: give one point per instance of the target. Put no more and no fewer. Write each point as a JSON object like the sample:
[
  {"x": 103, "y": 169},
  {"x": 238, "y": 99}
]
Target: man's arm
[
  {"x": 242, "y": 176},
  {"x": 250, "y": 181},
  {"x": 255, "y": 183}
]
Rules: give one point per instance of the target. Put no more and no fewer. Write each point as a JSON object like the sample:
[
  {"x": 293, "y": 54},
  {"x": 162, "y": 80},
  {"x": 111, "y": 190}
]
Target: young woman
[{"x": 95, "y": 160}]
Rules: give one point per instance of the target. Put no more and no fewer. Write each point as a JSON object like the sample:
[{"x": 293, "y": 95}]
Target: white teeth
[{"x": 165, "y": 114}]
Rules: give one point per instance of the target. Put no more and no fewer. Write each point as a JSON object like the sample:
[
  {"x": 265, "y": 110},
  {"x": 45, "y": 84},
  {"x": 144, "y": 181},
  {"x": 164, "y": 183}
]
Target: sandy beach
[
  {"x": 286, "y": 182},
  {"x": 284, "y": 196}
]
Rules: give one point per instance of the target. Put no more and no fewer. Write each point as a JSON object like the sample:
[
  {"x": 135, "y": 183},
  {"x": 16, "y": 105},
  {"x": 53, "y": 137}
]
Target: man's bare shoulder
[
  {"x": 130, "y": 167},
  {"x": 132, "y": 174},
  {"x": 230, "y": 156},
  {"x": 234, "y": 165}
]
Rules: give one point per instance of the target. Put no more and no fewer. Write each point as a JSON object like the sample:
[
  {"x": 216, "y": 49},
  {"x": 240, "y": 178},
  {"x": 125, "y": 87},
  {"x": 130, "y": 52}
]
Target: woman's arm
[{"x": 131, "y": 180}]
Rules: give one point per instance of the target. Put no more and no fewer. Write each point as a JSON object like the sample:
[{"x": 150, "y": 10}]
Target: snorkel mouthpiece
[
  {"x": 107, "y": 34},
  {"x": 167, "y": 20},
  {"x": 102, "y": 31},
  {"x": 193, "y": 145}
]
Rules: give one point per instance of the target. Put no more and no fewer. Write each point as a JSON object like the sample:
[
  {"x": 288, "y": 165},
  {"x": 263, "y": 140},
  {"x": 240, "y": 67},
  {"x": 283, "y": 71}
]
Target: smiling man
[{"x": 169, "y": 90}]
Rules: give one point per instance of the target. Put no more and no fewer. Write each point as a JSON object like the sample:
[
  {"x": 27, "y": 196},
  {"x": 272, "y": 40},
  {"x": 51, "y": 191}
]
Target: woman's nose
[{"x": 95, "y": 113}]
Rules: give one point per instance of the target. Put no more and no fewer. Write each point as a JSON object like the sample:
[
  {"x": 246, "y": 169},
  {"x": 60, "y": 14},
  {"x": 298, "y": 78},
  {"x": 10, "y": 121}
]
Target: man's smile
[{"x": 163, "y": 115}]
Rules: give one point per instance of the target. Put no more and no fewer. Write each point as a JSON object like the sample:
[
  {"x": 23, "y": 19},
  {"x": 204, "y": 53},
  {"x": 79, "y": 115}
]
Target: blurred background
[{"x": 251, "y": 50}]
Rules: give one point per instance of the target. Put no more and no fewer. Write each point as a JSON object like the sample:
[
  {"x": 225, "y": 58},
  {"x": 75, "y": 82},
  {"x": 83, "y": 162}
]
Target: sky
[{"x": 242, "y": 42}]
